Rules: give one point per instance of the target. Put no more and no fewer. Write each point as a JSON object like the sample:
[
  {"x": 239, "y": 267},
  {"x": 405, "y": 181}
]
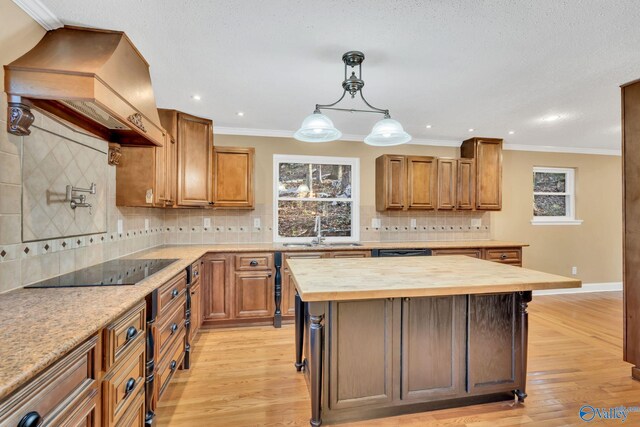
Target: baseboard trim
[{"x": 586, "y": 288}]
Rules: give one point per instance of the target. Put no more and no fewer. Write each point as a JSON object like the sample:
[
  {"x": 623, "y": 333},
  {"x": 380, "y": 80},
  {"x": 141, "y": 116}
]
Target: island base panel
[{"x": 391, "y": 356}]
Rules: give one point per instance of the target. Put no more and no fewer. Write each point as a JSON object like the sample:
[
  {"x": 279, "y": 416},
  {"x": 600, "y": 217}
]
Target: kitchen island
[{"x": 379, "y": 337}]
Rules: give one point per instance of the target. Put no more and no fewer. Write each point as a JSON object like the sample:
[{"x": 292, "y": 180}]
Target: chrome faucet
[
  {"x": 318, "y": 230},
  {"x": 80, "y": 201}
]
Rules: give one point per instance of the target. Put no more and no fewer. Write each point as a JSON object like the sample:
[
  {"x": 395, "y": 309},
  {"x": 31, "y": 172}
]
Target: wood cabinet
[
  {"x": 406, "y": 182},
  {"x": 447, "y": 183},
  {"x": 145, "y": 175},
  {"x": 288, "y": 288},
  {"x": 233, "y": 180},
  {"x": 254, "y": 294},
  {"x": 194, "y": 146},
  {"x": 507, "y": 255},
  {"x": 487, "y": 153},
  {"x": 473, "y": 252},
  {"x": 466, "y": 184},
  {"x": 216, "y": 287},
  {"x": 631, "y": 223}
]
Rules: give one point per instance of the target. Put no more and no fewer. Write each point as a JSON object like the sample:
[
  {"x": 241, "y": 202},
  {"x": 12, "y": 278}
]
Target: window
[
  {"x": 306, "y": 187},
  {"x": 554, "y": 198}
]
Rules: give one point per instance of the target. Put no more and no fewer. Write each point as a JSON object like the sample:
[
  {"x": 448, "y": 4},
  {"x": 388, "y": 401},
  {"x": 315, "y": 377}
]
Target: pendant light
[{"x": 319, "y": 128}]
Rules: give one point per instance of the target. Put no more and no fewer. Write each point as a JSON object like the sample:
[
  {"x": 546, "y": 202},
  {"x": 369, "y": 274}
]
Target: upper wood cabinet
[
  {"x": 194, "y": 140},
  {"x": 405, "y": 182},
  {"x": 233, "y": 179},
  {"x": 487, "y": 153},
  {"x": 144, "y": 175},
  {"x": 466, "y": 185},
  {"x": 447, "y": 183}
]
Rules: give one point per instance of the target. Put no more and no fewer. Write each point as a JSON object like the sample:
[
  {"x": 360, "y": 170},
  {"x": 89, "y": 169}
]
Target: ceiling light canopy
[{"x": 319, "y": 128}]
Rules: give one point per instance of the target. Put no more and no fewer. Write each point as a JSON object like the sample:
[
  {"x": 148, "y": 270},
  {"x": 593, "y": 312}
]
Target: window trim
[
  {"x": 570, "y": 218},
  {"x": 354, "y": 162}
]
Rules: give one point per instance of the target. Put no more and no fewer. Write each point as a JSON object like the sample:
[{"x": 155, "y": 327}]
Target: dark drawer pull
[
  {"x": 131, "y": 384},
  {"x": 173, "y": 365},
  {"x": 503, "y": 256},
  {"x": 174, "y": 293},
  {"x": 174, "y": 328},
  {"x": 132, "y": 331},
  {"x": 253, "y": 263},
  {"x": 32, "y": 419}
]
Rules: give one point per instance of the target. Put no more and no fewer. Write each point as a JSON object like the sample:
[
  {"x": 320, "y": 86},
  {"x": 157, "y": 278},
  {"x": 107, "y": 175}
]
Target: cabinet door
[
  {"x": 489, "y": 174},
  {"x": 494, "y": 350},
  {"x": 391, "y": 177},
  {"x": 233, "y": 177},
  {"x": 196, "y": 310},
  {"x": 288, "y": 289},
  {"x": 422, "y": 180},
  {"x": 195, "y": 143},
  {"x": 216, "y": 288},
  {"x": 466, "y": 190},
  {"x": 473, "y": 253},
  {"x": 135, "y": 176},
  {"x": 361, "y": 357},
  {"x": 447, "y": 183},
  {"x": 254, "y": 294},
  {"x": 433, "y": 344}
]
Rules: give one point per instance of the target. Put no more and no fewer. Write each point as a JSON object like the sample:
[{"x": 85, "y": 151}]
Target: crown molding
[
  {"x": 566, "y": 150},
  {"x": 276, "y": 133},
  {"x": 40, "y": 13}
]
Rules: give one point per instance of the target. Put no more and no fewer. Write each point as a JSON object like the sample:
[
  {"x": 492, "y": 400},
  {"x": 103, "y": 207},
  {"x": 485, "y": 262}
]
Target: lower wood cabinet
[
  {"x": 474, "y": 253},
  {"x": 288, "y": 288},
  {"x": 216, "y": 288},
  {"x": 254, "y": 294},
  {"x": 509, "y": 255}
]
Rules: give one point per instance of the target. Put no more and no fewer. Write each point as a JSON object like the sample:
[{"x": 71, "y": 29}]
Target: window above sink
[{"x": 311, "y": 187}]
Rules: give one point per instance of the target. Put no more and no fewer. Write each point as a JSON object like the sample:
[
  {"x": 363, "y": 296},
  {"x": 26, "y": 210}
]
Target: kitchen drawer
[
  {"x": 169, "y": 326},
  {"x": 195, "y": 272},
  {"x": 258, "y": 261},
  {"x": 504, "y": 255},
  {"x": 135, "y": 415},
  {"x": 474, "y": 253},
  {"x": 350, "y": 254},
  {"x": 171, "y": 291},
  {"x": 170, "y": 363},
  {"x": 57, "y": 394},
  {"x": 122, "y": 384},
  {"x": 122, "y": 334}
]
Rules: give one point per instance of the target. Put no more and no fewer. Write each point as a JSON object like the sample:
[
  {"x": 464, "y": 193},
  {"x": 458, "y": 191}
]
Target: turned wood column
[
  {"x": 315, "y": 365},
  {"x": 525, "y": 299},
  {"x": 277, "y": 315}
]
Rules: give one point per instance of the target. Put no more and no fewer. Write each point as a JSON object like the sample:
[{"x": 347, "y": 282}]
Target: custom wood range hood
[{"x": 94, "y": 79}]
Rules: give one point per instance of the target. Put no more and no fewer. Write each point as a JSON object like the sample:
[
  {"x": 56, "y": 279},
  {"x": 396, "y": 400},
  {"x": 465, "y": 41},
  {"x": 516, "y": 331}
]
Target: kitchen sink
[{"x": 311, "y": 245}]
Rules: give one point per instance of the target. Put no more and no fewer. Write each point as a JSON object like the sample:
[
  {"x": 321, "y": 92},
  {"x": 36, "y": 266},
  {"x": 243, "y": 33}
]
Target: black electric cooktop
[{"x": 118, "y": 272}]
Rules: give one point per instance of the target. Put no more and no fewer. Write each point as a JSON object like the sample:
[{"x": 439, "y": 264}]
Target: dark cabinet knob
[
  {"x": 503, "y": 256},
  {"x": 173, "y": 365},
  {"x": 174, "y": 293},
  {"x": 132, "y": 331},
  {"x": 174, "y": 328},
  {"x": 253, "y": 263},
  {"x": 131, "y": 384},
  {"x": 32, "y": 419},
  {"x": 211, "y": 203}
]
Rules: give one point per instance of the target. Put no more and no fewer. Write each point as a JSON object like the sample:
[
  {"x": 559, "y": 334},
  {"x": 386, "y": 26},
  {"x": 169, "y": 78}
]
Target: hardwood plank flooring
[{"x": 245, "y": 376}]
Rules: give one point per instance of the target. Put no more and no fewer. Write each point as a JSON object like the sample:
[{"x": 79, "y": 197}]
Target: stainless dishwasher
[{"x": 400, "y": 252}]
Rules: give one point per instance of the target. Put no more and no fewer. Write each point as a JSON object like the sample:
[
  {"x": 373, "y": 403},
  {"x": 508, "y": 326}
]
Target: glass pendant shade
[
  {"x": 317, "y": 127},
  {"x": 387, "y": 132}
]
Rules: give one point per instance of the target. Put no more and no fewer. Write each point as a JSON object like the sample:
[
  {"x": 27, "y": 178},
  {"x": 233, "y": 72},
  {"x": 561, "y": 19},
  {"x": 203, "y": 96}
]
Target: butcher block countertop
[
  {"x": 39, "y": 326},
  {"x": 370, "y": 278}
]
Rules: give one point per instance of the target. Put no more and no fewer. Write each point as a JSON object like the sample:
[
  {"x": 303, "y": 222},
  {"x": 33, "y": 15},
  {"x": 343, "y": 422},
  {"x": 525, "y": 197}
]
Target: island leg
[
  {"x": 525, "y": 299},
  {"x": 299, "y": 306},
  {"x": 315, "y": 367}
]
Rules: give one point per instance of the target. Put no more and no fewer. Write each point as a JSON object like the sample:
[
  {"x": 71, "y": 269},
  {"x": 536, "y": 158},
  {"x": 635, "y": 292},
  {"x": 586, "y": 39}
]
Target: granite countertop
[
  {"x": 343, "y": 279},
  {"x": 41, "y": 325}
]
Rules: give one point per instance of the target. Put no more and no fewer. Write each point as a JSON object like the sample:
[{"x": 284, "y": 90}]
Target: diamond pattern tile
[{"x": 52, "y": 162}]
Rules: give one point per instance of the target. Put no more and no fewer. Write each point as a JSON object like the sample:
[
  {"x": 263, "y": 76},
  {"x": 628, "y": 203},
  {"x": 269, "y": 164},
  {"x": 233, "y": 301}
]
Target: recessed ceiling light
[
  {"x": 552, "y": 118},
  {"x": 428, "y": 126},
  {"x": 471, "y": 129},
  {"x": 196, "y": 97},
  {"x": 240, "y": 114},
  {"x": 511, "y": 132}
]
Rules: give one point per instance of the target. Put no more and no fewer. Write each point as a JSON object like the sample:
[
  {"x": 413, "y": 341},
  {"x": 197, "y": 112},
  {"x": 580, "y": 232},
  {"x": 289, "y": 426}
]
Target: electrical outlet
[
  {"x": 256, "y": 223},
  {"x": 376, "y": 222},
  {"x": 574, "y": 270},
  {"x": 206, "y": 222},
  {"x": 414, "y": 223},
  {"x": 476, "y": 222},
  {"x": 120, "y": 226}
]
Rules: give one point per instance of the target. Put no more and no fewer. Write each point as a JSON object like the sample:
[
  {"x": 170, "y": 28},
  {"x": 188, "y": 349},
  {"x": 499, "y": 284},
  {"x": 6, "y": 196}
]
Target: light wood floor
[{"x": 245, "y": 377}]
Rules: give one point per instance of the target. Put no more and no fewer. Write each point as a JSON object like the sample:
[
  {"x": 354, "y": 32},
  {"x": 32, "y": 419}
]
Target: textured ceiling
[{"x": 494, "y": 66}]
